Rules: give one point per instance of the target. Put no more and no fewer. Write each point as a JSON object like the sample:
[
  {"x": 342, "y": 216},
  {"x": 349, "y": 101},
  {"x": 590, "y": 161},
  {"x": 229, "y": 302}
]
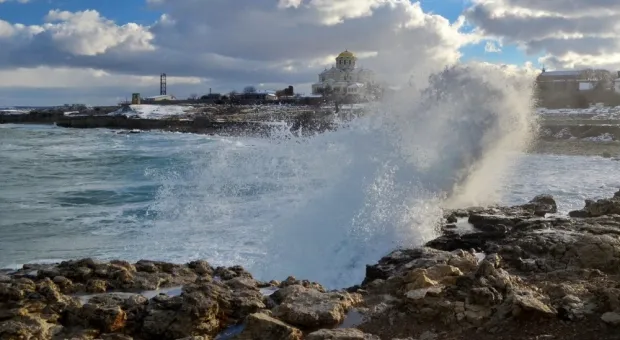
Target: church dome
[{"x": 346, "y": 54}]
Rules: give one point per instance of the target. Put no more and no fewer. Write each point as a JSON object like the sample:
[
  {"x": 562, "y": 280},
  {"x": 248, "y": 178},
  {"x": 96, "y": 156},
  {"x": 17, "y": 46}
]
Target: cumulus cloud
[
  {"x": 570, "y": 33},
  {"x": 229, "y": 44}
]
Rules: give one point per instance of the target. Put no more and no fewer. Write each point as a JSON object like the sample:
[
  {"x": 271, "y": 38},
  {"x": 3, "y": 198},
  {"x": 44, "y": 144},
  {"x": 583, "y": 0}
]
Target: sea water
[
  {"x": 317, "y": 207},
  {"x": 69, "y": 194}
]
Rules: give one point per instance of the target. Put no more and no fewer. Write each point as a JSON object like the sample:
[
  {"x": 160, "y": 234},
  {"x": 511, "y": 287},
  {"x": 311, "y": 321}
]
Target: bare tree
[
  {"x": 249, "y": 89},
  {"x": 600, "y": 79},
  {"x": 193, "y": 96}
]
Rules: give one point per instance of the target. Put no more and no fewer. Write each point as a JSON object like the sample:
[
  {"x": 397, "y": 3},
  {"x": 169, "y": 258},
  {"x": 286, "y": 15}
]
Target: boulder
[
  {"x": 341, "y": 334},
  {"x": 260, "y": 326},
  {"x": 309, "y": 308},
  {"x": 611, "y": 318},
  {"x": 541, "y": 205}
]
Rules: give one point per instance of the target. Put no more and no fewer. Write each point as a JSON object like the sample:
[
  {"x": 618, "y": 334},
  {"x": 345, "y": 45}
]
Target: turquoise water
[{"x": 96, "y": 193}]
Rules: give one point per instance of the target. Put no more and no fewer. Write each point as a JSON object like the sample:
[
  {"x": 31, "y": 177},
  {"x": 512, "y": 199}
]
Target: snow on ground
[
  {"x": 13, "y": 112},
  {"x": 606, "y": 137},
  {"x": 149, "y": 111},
  {"x": 597, "y": 112}
]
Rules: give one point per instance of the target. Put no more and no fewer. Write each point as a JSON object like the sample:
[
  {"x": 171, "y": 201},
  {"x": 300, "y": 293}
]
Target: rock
[
  {"x": 428, "y": 336},
  {"x": 541, "y": 205},
  {"x": 201, "y": 267},
  {"x": 531, "y": 305},
  {"x": 452, "y": 218},
  {"x": 611, "y": 318},
  {"x": 481, "y": 220},
  {"x": 601, "y": 207},
  {"x": 107, "y": 319},
  {"x": 96, "y": 286},
  {"x": 261, "y": 326},
  {"x": 309, "y": 308},
  {"x": 26, "y": 327},
  {"x": 417, "y": 279},
  {"x": 418, "y": 294},
  {"x": 341, "y": 334},
  {"x": 115, "y": 336}
]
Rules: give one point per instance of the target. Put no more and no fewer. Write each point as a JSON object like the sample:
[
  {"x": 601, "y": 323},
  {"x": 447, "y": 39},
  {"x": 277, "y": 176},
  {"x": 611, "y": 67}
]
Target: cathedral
[{"x": 344, "y": 78}]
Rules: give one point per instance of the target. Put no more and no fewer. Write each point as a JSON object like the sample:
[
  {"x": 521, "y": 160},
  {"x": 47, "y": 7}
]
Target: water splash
[{"x": 322, "y": 207}]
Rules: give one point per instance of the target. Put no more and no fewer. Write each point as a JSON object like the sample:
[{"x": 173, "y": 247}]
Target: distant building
[
  {"x": 159, "y": 98},
  {"x": 258, "y": 96},
  {"x": 344, "y": 78},
  {"x": 565, "y": 81},
  {"x": 617, "y": 83}
]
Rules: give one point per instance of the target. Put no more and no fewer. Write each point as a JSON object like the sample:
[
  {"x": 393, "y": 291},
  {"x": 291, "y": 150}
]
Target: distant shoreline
[{"x": 569, "y": 134}]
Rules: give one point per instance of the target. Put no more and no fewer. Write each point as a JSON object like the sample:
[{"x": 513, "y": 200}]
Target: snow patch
[
  {"x": 606, "y": 137},
  {"x": 598, "y": 112},
  {"x": 149, "y": 111},
  {"x": 13, "y": 112}
]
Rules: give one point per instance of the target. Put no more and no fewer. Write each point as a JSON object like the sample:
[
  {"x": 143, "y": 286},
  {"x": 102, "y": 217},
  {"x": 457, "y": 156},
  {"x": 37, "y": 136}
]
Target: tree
[
  {"x": 600, "y": 79},
  {"x": 249, "y": 89},
  {"x": 193, "y": 96}
]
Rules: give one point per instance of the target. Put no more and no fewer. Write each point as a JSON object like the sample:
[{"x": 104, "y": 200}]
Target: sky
[{"x": 97, "y": 52}]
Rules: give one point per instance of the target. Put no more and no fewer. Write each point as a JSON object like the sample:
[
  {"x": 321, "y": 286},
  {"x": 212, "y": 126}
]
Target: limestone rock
[
  {"x": 26, "y": 327},
  {"x": 261, "y": 326},
  {"x": 309, "y": 308},
  {"x": 341, "y": 334},
  {"x": 530, "y": 305}
]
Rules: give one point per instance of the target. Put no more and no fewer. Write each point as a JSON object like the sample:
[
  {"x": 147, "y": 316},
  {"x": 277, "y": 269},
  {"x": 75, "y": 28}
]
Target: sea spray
[
  {"x": 321, "y": 207},
  {"x": 392, "y": 171}
]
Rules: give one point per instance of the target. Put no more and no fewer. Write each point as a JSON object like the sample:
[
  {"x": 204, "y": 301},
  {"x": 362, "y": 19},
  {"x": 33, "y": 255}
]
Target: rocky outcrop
[{"x": 519, "y": 273}]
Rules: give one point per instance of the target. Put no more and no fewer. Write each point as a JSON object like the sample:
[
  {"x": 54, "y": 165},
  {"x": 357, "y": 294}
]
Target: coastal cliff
[{"x": 520, "y": 272}]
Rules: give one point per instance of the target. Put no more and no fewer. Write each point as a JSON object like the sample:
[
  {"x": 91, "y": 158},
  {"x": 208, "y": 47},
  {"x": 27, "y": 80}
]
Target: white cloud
[
  {"x": 570, "y": 33},
  {"x": 235, "y": 43},
  {"x": 64, "y": 77},
  {"x": 492, "y": 47}
]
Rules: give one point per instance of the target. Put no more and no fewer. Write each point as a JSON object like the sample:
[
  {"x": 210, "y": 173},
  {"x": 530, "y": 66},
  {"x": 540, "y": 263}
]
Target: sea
[{"x": 318, "y": 207}]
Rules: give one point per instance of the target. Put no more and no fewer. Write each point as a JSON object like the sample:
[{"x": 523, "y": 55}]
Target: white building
[
  {"x": 344, "y": 78},
  {"x": 617, "y": 83},
  {"x": 160, "y": 98}
]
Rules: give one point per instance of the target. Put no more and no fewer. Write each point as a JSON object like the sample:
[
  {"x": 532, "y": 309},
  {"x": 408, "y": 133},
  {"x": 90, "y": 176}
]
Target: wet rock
[
  {"x": 309, "y": 308},
  {"x": 341, "y": 334},
  {"x": 291, "y": 281},
  {"x": 481, "y": 220},
  {"x": 611, "y": 318},
  {"x": 541, "y": 205},
  {"x": 452, "y": 218},
  {"x": 601, "y": 207},
  {"x": 260, "y": 326}
]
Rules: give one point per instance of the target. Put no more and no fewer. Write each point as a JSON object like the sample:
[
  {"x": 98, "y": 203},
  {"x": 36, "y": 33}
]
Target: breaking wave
[{"x": 376, "y": 183}]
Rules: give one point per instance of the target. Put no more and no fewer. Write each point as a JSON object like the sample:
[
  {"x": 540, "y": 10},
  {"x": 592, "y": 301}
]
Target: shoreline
[
  {"x": 238, "y": 126},
  {"x": 519, "y": 272}
]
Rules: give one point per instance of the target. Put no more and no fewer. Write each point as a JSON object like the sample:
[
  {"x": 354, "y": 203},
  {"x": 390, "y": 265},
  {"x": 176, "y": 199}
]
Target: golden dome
[{"x": 346, "y": 54}]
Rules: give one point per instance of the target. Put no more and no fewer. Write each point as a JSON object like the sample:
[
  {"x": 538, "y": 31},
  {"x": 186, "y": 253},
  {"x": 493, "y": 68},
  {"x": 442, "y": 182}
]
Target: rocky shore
[
  {"x": 236, "y": 120},
  {"x": 521, "y": 272}
]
